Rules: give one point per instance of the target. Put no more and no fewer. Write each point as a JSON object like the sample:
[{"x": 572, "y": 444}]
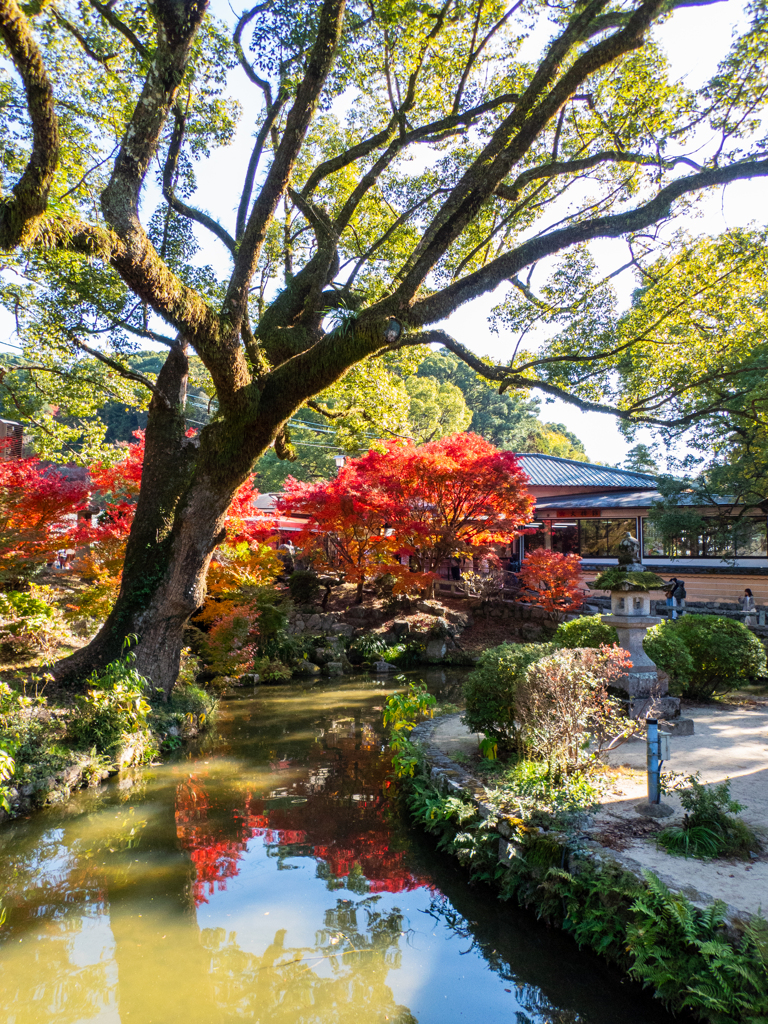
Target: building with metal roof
[
  {"x": 546, "y": 471},
  {"x": 586, "y": 510}
]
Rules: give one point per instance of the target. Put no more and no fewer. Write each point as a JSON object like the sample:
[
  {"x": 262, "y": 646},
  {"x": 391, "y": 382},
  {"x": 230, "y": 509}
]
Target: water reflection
[
  {"x": 342, "y": 977},
  {"x": 268, "y": 877}
]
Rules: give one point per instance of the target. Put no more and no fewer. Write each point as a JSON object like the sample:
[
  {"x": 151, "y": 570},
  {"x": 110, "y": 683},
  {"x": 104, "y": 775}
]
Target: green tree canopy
[{"x": 406, "y": 159}]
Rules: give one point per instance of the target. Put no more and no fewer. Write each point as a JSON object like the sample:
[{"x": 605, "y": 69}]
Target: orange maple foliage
[{"x": 554, "y": 581}]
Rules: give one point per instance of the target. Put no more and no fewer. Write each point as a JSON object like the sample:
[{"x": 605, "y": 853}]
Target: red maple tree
[
  {"x": 38, "y": 509},
  {"x": 346, "y": 523},
  {"x": 553, "y": 580},
  {"x": 426, "y": 501}
]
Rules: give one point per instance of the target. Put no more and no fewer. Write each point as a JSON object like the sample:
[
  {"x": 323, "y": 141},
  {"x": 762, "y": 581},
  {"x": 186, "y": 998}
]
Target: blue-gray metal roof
[
  {"x": 614, "y": 499},
  {"x": 552, "y": 471}
]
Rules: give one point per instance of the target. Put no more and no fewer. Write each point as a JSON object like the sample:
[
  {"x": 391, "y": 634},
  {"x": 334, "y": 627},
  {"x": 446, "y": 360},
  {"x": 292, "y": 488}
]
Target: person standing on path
[
  {"x": 668, "y": 590},
  {"x": 678, "y": 598},
  {"x": 748, "y": 607}
]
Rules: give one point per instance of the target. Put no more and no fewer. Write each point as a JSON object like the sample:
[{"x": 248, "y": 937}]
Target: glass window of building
[
  {"x": 565, "y": 537},
  {"x": 746, "y": 537},
  {"x": 600, "y": 538}
]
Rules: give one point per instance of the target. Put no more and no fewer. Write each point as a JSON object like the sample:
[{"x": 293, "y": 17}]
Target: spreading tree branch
[
  {"x": 442, "y": 303},
  {"x": 20, "y": 215}
]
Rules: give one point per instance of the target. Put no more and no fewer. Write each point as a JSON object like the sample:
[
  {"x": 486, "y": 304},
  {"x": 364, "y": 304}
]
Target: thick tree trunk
[
  {"x": 187, "y": 486},
  {"x": 169, "y": 461}
]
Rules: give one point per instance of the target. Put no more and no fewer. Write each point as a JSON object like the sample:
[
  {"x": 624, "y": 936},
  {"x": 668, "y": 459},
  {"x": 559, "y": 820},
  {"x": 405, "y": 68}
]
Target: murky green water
[{"x": 267, "y": 877}]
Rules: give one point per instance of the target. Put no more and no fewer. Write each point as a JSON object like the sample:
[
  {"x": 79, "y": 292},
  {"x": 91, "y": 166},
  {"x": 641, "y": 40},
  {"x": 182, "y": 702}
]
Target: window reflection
[
  {"x": 600, "y": 538},
  {"x": 746, "y": 538}
]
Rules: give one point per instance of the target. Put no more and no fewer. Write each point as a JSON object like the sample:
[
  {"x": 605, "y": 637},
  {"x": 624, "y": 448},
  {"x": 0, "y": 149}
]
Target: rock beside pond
[
  {"x": 435, "y": 650},
  {"x": 430, "y": 608},
  {"x": 306, "y": 668},
  {"x": 333, "y": 668},
  {"x": 383, "y": 666}
]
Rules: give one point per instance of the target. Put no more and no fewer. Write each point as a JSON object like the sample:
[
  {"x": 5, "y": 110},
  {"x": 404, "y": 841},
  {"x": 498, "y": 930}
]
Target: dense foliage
[
  {"x": 668, "y": 650},
  {"x": 491, "y": 688},
  {"x": 722, "y": 651},
  {"x": 552, "y": 580},
  {"x": 565, "y": 713},
  {"x": 422, "y": 501},
  {"x": 338, "y": 247},
  {"x": 584, "y": 631}
]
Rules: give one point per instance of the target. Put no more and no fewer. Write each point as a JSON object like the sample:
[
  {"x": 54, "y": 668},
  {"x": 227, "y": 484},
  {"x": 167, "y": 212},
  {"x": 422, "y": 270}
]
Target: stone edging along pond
[{"x": 694, "y": 952}]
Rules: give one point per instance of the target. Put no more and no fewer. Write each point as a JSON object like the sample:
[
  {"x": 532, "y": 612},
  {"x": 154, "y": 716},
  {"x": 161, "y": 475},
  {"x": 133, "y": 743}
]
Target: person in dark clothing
[{"x": 678, "y": 598}]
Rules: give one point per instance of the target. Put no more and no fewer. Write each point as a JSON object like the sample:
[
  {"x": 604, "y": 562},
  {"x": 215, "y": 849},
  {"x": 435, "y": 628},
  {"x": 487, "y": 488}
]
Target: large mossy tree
[{"x": 406, "y": 159}]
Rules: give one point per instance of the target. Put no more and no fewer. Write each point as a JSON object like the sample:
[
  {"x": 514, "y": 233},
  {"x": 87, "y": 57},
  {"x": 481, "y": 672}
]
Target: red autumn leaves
[{"x": 426, "y": 502}]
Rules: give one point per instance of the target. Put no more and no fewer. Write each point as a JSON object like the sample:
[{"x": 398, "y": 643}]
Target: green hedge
[
  {"x": 489, "y": 691},
  {"x": 586, "y": 631},
  {"x": 723, "y": 652}
]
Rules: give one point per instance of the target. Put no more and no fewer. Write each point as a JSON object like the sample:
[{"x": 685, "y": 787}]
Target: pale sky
[{"x": 695, "y": 40}]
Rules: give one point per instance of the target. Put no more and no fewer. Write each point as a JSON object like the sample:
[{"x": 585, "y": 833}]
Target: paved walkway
[{"x": 729, "y": 742}]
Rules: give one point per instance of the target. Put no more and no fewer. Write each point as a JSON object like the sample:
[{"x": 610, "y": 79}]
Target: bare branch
[
  {"x": 100, "y": 58},
  {"x": 518, "y": 131},
  {"x": 271, "y": 115},
  {"x": 297, "y": 123},
  {"x": 518, "y": 381},
  {"x": 555, "y": 168},
  {"x": 243, "y": 20},
  {"x": 117, "y": 366},
  {"x": 169, "y": 175}
]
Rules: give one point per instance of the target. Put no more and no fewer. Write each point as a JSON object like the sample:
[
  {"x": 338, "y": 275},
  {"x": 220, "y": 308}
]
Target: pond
[{"x": 269, "y": 876}]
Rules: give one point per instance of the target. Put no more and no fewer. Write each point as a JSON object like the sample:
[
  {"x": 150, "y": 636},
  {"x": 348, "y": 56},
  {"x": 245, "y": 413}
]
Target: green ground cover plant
[
  {"x": 710, "y": 827},
  {"x": 30, "y": 624},
  {"x": 46, "y": 749},
  {"x": 114, "y": 707},
  {"x": 402, "y": 711},
  {"x": 367, "y": 648}
]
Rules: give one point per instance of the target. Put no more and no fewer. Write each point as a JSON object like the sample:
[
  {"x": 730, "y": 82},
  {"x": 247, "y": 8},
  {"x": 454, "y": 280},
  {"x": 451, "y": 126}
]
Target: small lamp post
[
  {"x": 657, "y": 745},
  {"x": 631, "y": 585},
  {"x": 339, "y": 460}
]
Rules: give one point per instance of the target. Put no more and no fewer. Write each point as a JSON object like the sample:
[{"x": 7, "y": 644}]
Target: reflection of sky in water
[
  {"x": 434, "y": 980},
  {"x": 268, "y": 880}
]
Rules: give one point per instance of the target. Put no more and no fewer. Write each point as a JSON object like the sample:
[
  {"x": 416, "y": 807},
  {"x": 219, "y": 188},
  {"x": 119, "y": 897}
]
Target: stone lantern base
[{"x": 647, "y": 693}]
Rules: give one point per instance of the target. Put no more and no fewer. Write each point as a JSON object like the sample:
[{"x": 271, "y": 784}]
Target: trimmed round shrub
[
  {"x": 723, "y": 652},
  {"x": 586, "y": 631},
  {"x": 667, "y": 649},
  {"x": 489, "y": 690},
  {"x": 304, "y": 586}
]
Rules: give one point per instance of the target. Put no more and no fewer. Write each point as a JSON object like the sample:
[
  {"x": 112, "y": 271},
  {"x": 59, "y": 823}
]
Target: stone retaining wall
[{"x": 450, "y": 777}]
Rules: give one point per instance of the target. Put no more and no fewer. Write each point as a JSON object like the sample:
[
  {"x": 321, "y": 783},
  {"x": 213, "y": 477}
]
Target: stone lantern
[{"x": 632, "y": 587}]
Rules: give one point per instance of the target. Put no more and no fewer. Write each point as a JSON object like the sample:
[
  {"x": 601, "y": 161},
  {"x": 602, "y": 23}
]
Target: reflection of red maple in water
[{"x": 344, "y": 824}]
